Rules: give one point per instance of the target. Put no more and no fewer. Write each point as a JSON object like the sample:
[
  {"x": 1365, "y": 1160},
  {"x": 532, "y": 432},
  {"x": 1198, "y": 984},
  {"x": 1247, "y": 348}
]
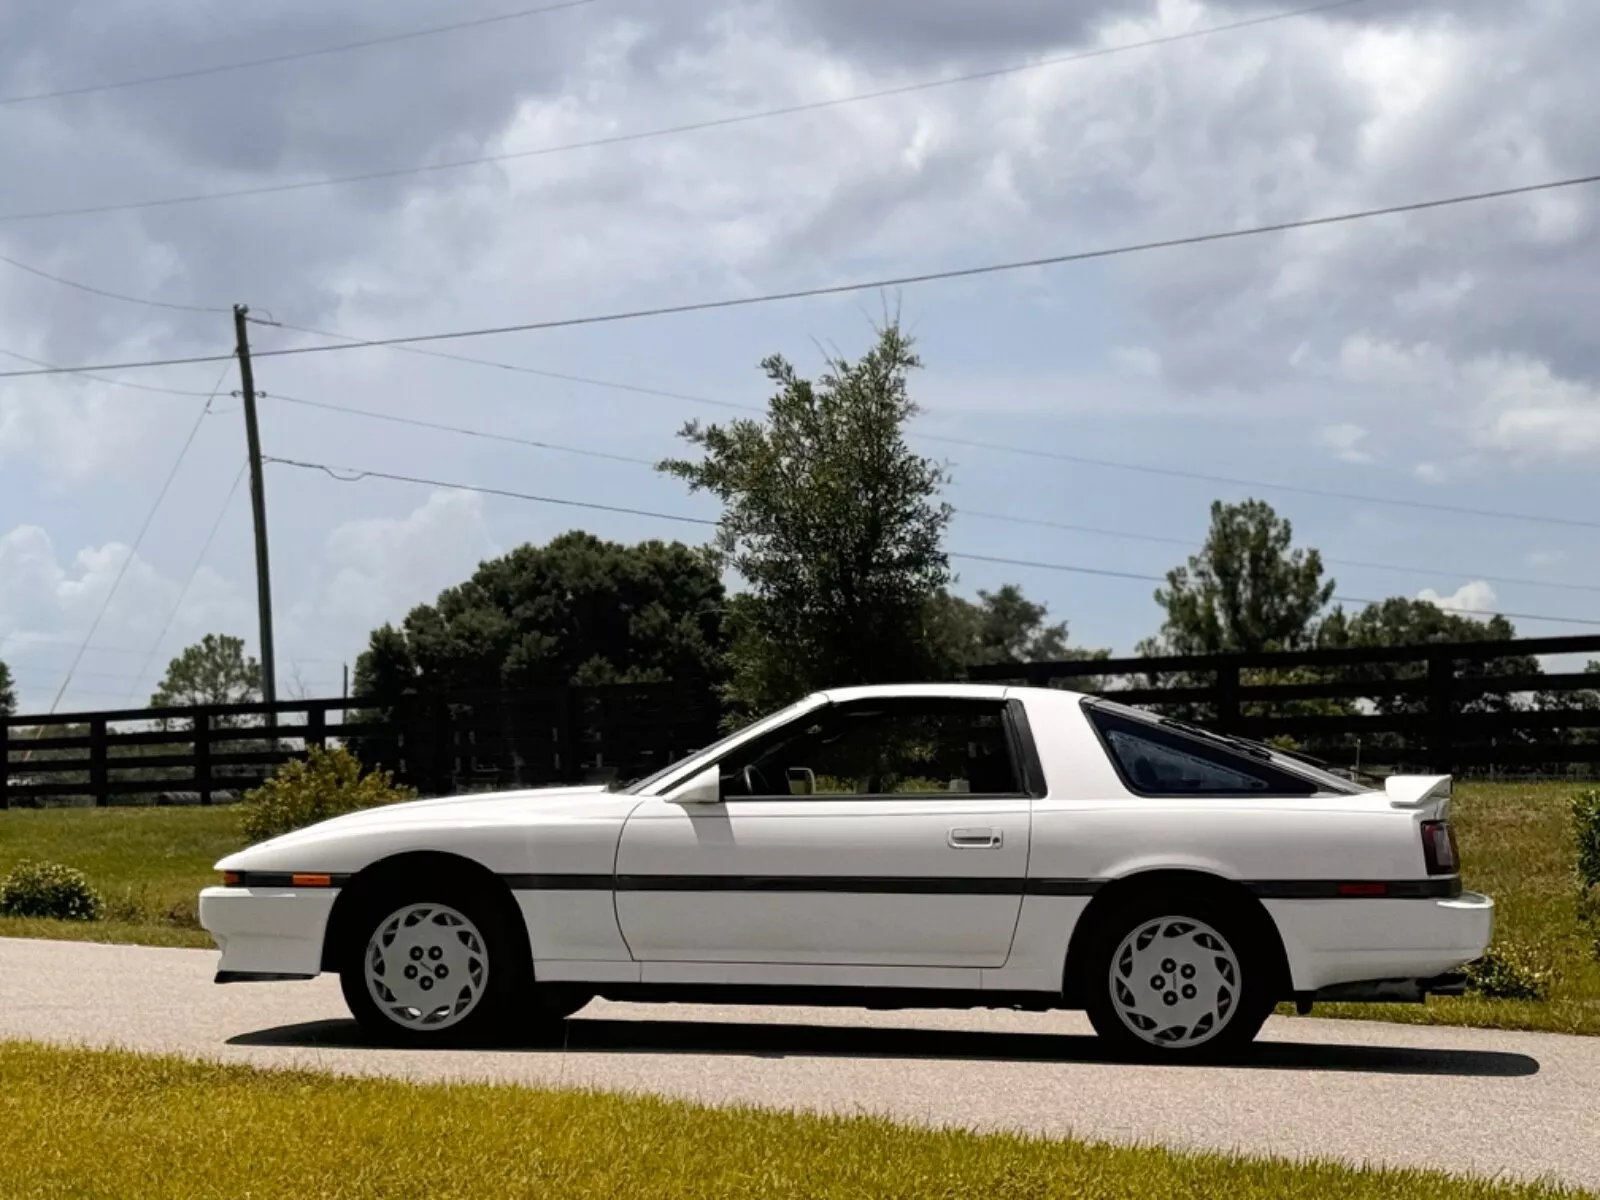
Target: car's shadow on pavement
[{"x": 763, "y": 1040}]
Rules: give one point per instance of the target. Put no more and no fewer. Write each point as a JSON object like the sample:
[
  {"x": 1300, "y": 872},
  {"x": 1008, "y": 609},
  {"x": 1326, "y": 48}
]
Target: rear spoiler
[{"x": 1415, "y": 791}]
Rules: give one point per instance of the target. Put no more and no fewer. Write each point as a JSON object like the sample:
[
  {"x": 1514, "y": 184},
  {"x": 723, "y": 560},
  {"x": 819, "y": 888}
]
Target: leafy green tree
[
  {"x": 8, "y": 692},
  {"x": 576, "y": 611},
  {"x": 215, "y": 670},
  {"x": 1003, "y": 626},
  {"x": 833, "y": 523},
  {"x": 1399, "y": 621},
  {"x": 1247, "y": 590}
]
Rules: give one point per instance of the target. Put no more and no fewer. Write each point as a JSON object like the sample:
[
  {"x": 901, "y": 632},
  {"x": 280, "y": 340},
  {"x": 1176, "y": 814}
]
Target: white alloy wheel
[
  {"x": 1175, "y": 982},
  {"x": 426, "y": 966}
]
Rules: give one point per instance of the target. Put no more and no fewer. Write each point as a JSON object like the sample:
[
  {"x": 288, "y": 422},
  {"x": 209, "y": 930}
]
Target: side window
[
  {"x": 1159, "y": 762},
  {"x": 889, "y": 748}
]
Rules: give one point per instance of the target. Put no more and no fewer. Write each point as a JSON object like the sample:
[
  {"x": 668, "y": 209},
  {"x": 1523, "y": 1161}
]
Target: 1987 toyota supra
[{"x": 932, "y": 845}]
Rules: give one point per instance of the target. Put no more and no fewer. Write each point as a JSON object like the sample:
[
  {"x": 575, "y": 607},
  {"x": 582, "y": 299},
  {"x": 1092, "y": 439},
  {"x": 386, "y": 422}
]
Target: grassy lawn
[
  {"x": 149, "y": 863},
  {"x": 1516, "y": 841},
  {"x": 82, "y": 1123}
]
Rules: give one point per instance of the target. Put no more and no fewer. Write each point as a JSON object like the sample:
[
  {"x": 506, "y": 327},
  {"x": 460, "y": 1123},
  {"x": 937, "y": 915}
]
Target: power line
[
  {"x": 140, "y": 387},
  {"x": 133, "y": 551},
  {"x": 356, "y": 475},
  {"x": 105, "y": 293},
  {"x": 1232, "y": 481},
  {"x": 839, "y": 289},
  {"x": 458, "y": 429},
  {"x": 293, "y": 56},
  {"x": 194, "y": 571},
  {"x": 673, "y": 130},
  {"x": 1007, "y": 518}
]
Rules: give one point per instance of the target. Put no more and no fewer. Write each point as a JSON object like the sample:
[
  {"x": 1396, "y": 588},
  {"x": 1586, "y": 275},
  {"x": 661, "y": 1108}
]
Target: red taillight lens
[
  {"x": 1439, "y": 848},
  {"x": 230, "y": 879}
]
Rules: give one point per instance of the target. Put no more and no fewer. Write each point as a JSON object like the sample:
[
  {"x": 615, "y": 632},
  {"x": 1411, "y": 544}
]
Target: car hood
[{"x": 504, "y": 809}]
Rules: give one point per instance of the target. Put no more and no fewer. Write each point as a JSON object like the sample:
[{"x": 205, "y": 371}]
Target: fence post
[
  {"x": 202, "y": 755},
  {"x": 317, "y": 728},
  {"x": 5, "y": 764},
  {"x": 1441, "y": 703},
  {"x": 1227, "y": 698},
  {"x": 99, "y": 777}
]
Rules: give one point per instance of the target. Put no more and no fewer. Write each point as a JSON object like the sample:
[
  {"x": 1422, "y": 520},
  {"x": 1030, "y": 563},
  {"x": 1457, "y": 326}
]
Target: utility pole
[{"x": 258, "y": 507}]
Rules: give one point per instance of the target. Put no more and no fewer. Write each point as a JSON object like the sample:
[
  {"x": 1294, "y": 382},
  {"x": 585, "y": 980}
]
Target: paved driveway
[{"x": 1459, "y": 1099}]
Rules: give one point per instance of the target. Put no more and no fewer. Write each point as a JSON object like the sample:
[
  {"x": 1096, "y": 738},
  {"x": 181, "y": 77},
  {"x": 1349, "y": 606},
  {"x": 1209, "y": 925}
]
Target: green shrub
[
  {"x": 45, "y": 889},
  {"x": 325, "y": 784},
  {"x": 1586, "y": 825},
  {"x": 1510, "y": 972}
]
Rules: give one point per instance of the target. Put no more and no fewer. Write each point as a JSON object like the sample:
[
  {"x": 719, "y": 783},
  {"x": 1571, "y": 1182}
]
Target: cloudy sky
[{"x": 1446, "y": 357}]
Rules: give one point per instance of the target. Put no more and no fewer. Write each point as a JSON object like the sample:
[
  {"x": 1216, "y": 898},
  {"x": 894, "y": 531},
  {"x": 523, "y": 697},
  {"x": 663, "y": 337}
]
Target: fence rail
[
  {"x": 438, "y": 745},
  {"x": 1441, "y": 707}
]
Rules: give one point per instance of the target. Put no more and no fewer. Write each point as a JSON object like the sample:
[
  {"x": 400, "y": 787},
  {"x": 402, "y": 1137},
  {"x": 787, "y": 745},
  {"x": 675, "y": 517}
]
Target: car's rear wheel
[
  {"x": 441, "y": 965},
  {"x": 1173, "y": 977}
]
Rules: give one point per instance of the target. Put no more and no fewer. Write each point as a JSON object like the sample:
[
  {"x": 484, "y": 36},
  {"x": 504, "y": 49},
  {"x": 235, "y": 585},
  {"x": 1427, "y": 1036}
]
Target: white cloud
[
  {"x": 1473, "y": 598},
  {"x": 378, "y": 569},
  {"x": 1346, "y": 442},
  {"x": 1526, "y": 409},
  {"x": 1137, "y": 360},
  {"x": 1428, "y": 472},
  {"x": 1545, "y": 558}
]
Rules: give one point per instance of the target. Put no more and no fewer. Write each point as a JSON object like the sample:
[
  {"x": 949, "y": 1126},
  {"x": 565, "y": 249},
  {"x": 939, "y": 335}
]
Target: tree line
[{"x": 832, "y": 530}]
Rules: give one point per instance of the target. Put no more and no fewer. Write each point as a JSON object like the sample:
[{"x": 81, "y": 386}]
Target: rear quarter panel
[{"x": 1090, "y": 828}]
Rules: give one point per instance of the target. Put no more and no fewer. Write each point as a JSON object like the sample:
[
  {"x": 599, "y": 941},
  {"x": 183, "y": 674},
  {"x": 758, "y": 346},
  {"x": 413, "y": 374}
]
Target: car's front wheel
[
  {"x": 439, "y": 966},
  {"x": 1173, "y": 977}
]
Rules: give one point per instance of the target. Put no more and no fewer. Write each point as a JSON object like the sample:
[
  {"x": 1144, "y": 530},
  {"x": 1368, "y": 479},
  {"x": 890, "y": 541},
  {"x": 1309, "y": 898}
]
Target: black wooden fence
[
  {"x": 1460, "y": 707},
  {"x": 1468, "y": 707},
  {"x": 457, "y": 743}
]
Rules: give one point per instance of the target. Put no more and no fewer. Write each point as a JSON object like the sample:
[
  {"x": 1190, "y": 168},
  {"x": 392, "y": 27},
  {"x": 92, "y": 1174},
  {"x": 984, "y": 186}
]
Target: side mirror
[{"x": 704, "y": 788}]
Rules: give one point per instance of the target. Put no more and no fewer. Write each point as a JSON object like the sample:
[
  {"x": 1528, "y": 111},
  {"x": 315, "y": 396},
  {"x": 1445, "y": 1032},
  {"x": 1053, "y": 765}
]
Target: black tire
[
  {"x": 487, "y": 951},
  {"x": 1244, "y": 983}
]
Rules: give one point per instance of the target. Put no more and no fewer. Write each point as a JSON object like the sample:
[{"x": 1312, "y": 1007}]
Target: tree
[
  {"x": 1001, "y": 627},
  {"x": 8, "y": 692},
  {"x": 215, "y": 670},
  {"x": 577, "y": 611},
  {"x": 1399, "y": 621},
  {"x": 832, "y": 522},
  {"x": 1246, "y": 590}
]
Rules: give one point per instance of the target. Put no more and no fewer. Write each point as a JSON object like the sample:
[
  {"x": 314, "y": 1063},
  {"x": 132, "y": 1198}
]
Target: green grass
[
  {"x": 149, "y": 863},
  {"x": 88, "y": 1123},
  {"x": 1516, "y": 842}
]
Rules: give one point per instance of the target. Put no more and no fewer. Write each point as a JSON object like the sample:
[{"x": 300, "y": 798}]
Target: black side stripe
[
  {"x": 1357, "y": 889},
  {"x": 284, "y": 879},
  {"x": 1293, "y": 889}
]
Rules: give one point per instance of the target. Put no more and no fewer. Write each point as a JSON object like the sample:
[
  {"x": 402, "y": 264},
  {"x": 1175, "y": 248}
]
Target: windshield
[
  {"x": 695, "y": 757},
  {"x": 1325, "y": 779}
]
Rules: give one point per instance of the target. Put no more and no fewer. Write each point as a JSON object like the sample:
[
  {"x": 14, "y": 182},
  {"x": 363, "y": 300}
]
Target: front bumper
[{"x": 272, "y": 933}]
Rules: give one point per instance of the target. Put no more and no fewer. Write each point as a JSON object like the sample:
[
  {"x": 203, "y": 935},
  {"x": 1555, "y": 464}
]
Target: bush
[
  {"x": 1586, "y": 825},
  {"x": 1509, "y": 972},
  {"x": 325, "y": 784},
  {"x": 44, "y": 889}
]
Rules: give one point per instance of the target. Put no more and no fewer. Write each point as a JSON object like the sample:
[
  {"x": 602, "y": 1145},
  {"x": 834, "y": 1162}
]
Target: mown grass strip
[{"x": 94, "y": 1123}]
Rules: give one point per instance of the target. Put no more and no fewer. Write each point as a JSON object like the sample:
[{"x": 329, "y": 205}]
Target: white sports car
[{"x": 934, "y": 845}]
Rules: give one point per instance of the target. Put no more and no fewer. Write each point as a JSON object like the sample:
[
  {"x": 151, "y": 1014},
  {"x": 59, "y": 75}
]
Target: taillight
[
  {"x": 231, "y": 879},
  {"x": 1439, "y": 848}
]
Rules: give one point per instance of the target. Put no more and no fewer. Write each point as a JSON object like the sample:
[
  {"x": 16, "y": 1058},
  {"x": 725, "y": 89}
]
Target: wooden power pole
[{"x": 258, "y": 507}]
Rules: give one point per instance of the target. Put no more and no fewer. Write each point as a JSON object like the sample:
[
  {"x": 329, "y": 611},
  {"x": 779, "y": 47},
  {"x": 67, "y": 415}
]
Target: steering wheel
[{"x": 755, "y": 783}]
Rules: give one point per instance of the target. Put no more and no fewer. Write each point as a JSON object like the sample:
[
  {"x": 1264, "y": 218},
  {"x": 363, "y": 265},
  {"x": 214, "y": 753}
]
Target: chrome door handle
[{"x": 975, "y": 839}]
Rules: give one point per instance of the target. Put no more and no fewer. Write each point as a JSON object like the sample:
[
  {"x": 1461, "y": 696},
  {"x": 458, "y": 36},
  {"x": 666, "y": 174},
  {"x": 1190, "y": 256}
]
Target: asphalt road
[{"x": 1462, "y": 1100}]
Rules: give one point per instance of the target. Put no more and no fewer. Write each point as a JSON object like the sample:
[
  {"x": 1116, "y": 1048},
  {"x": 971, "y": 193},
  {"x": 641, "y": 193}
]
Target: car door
[{"x": 887, "y": 832}]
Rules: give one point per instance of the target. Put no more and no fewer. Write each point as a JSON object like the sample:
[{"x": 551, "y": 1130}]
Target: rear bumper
[
  {"x": 1335, "y": 942},
  {"x": 267, "y": 933}
]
